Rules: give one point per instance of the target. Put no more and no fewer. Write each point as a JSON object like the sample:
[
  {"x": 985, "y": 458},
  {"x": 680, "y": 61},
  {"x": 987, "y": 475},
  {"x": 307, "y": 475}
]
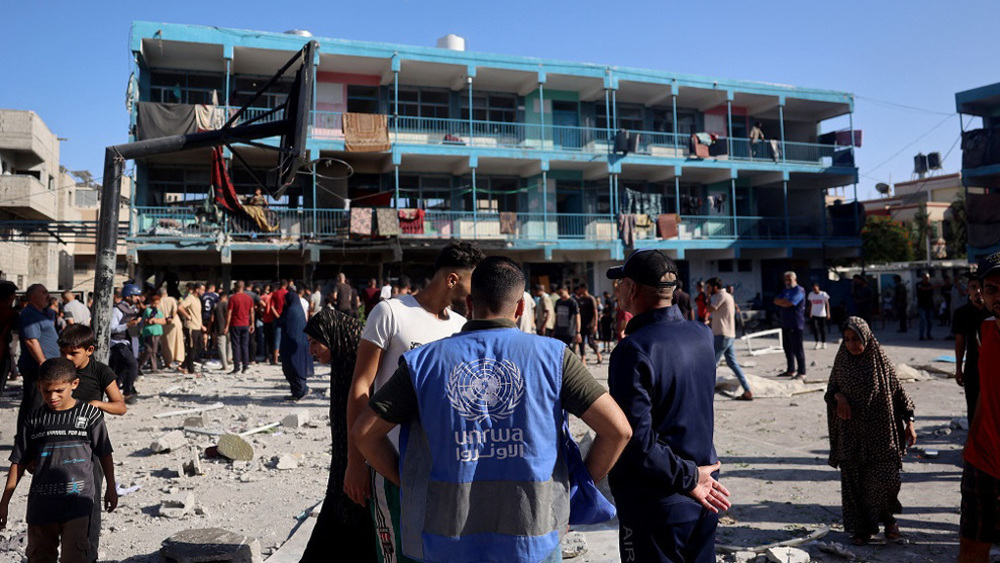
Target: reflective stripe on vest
[{"x": 492, "y": 485}]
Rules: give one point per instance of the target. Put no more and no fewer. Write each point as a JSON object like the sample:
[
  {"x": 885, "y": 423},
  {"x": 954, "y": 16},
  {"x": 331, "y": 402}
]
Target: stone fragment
[
  {"x": 197, "y": 421},
  {"x": 246, "y": 478},
  {"x": 235, "y": 448},
  {"x": 744, "y": 556},
  {"x": 173, "y": 440},
  {"x": 296, "y": 420},
  {"x": 573, "y": 544},
  {"x": 192, "y": 466},
  {"x": 176, "y": 505},
  {"x": 960, "y": 423},
  {"x": 210, "y": 544},
  {"x": 286, "y": 461},
  {"x": 787, "y": 555}
]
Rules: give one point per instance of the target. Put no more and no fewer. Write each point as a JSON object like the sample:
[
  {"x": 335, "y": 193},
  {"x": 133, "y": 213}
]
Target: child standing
[{"x": 60, "y": 438}]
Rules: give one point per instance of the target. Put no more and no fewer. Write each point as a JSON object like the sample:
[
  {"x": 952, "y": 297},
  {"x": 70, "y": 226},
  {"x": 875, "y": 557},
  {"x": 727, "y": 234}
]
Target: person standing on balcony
[
  {"x": 723, "y": 309},
  {"x": 588, "y": 322},
  {"x": 819, "y": 314},
  {"x": 394, "y": 327},
  {"x": 792, "y": 304},
  {"x": 567, "y": 326},
  {"x": 663, "y": 377},
  {"x": 925, "y": 306}
]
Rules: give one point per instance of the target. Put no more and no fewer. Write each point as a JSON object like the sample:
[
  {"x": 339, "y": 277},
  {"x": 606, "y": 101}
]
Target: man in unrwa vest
[
  {"x": 396, "y": 326},
  {"x": 663, "y": 376},
  {"x": 481, "y": 467}
]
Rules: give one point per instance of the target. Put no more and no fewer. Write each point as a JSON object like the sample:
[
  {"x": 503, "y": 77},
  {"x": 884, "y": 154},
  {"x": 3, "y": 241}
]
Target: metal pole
[
  {"x": 677, "y": 195},
  {"x": 107, "y": 257},
  {"x": 729, "y": 127},
  {"x": 541, "y": 111},
  {"x": 614, "y": 107},
  {"x": 857, "y": 228},
  {"x": 732, "y": 191},
  {"x": 788, "y": 219},
  {"x": 470, "y": 111},
  {"x": 397, "y": 185},
  {"x": 607, "y": 120},
  {"x": 781, "y": 123},
  {"x": 314, "y": 230},
  {"x": 850, "y": 116},
  {"x": 395, "y": 107},
  {"x": 673, "y": 101},
  {"x": 475, "y": 207},
  {"x": 545, "y": 205}
]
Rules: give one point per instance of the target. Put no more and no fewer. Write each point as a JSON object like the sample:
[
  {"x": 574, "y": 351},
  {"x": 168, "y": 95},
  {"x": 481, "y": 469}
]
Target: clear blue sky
[{"x": 69, "y": 61}]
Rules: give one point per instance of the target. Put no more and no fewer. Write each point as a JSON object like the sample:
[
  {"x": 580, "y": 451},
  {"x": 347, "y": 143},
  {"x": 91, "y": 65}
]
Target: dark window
[
  {"x": 725, "y": 266},
  {"x": 186, "y": 88},
  {"x": 245, "y": 87},
  {"x": 744, "y": 265},
  {"x": 424, "y": 103},
  {"x": 630, "y": 118},
  {"x": 501, "y": 108},
  {"x": 362, "y": 99}
]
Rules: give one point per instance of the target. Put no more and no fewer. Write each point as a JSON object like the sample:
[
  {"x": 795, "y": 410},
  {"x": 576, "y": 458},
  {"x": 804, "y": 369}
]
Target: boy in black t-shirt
[{"x": 60, "y": 439}]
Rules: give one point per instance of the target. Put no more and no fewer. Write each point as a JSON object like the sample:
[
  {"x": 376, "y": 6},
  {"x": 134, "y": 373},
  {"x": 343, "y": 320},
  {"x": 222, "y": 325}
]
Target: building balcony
[
  {"x": 186, "y": 224},
  {"x": 26, "y": 197},
  {"x": 424, "y": 131}
]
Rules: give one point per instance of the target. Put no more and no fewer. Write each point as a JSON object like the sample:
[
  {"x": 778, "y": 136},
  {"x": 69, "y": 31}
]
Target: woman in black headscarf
[
  {"x": 870, "y": 418},
  {"x": 296, "y": 362},
  {"x": 343, "y": 527}
]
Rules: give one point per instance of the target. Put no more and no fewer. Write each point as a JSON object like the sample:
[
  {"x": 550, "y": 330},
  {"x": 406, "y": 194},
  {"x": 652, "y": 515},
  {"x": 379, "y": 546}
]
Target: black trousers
[
  {"x": 818, "y": 326},
  {"x": 123, "y": 363},
  {"x": 240, "y": 335},
  {"x": 192, "y": 348},
  {"x": 645, "y": 541},
  {"x": 94, "y": 531},
  {"x": 970, "y": 380},
  {"x": 792, "y": 343},
  {"x": 31, "y": 399},
  {"x": 269, "y": 341}
]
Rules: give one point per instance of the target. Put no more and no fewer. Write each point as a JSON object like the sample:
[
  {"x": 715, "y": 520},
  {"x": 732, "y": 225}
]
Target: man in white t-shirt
[
  {"x": 396, "y": 326},
  {"x": 818, "y": 313}
]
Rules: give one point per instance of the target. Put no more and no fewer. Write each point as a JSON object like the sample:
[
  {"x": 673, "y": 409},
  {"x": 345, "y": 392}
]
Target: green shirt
[
  {"x": 149, "y": 329},
  {"x": 396, "y": 401}
]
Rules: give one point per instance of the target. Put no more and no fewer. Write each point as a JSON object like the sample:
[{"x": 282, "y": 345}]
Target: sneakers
[
  {"x": 824, "y": 346},
  {"x": 817, "y": 346},
  {"x": 799, "y": 376}
]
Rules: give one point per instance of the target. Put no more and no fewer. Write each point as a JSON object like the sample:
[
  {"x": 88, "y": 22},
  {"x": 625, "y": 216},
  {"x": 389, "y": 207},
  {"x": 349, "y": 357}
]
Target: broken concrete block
[
  {"x": 573, "y": 544},
  {"x": 296, "y": 420},
  {"x": 744, "y": 556},
  {"x": 210, "y": 544},
  {"x": 960, "y": 423},
  {"x": 235, "y": 448},
  {"x": 192, "y": 466},
  {"x": 787, "y": 555},
  {"x": 286, "y": 461},
  {"x": 174, "y": 440},
  {"x": 196, "y": 421},
  {"x": 177, "y": 505}
]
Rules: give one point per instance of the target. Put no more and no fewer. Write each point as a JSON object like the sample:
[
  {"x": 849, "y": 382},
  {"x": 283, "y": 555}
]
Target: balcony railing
[
  {"x": 408, "y": 130},
  {"x": 189, "y": 223}
]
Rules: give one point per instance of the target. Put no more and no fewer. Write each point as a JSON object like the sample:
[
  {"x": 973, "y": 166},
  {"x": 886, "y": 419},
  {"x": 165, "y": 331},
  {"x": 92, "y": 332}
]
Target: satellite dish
[{"x": 882, "y": 188}]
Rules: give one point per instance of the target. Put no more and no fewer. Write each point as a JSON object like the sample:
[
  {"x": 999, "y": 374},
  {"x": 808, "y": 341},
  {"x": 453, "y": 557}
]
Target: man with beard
[
  {"x": 396, "y": 326},
  {"x": 965, "y": 325}
]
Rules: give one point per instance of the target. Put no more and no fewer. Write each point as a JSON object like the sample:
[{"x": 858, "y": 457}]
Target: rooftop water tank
[
  {"x": 299, "y": 32},
  {"x": 452, "y": 42}
]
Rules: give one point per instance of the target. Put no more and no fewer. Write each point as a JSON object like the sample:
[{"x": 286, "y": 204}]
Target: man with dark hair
[
  {"x": 393, "y": 327},
  {"x": 545, "y": 313},
  {"x": 240, "y": 326},
  {"x": 190, "y": 311},
  {"x": 967, "y": 322},
  {"x": 980, "y": 521},
  {"x": 39, "y": 342},
  {"x": 344, "y": 296},
  {"x": 701, "y": 300},
  {"x": 588, "y": 322},
  {"x": 372, "y": 295},
  {"x": 723, "y": 309},
  {"x": 276, "y": 305},
  {"x": 792, "y": 303},
  {"x": 683, "y": 301},
  {"x": 663, "y": 377},
  {"x": 567, "y": 327},
  {"x": 509, "y": 388}
]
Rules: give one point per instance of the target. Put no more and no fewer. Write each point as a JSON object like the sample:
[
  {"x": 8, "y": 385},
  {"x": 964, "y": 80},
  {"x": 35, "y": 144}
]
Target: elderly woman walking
[
  {"x": 871, "y": 424},
  {"x": 343, "y": 526},
  {"x": 296, "y": 361}
]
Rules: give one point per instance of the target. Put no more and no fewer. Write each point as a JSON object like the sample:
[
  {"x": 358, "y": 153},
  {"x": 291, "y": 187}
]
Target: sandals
[
  {"x": 892, "y": 532},
  {"x": 746, "y": 396}
]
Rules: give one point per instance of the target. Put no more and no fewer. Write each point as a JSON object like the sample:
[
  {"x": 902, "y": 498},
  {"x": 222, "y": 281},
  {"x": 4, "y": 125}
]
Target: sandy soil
[{"x": 773, "y": 452}]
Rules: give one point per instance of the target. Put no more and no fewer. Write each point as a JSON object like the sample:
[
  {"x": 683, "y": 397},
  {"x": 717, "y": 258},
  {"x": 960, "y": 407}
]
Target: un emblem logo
[{"x": 485, "y": 388}]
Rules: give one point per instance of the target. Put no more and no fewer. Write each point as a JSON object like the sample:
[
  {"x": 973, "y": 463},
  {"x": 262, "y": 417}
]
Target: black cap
[
  {"x": 988, "y": 266},
  {"x": 646, "y": 267}
]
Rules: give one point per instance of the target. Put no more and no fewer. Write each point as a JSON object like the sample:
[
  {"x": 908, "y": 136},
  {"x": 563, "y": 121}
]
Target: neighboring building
[
  {"x": 981, "y": 167},
  {"x": 45, "y": 236},
  {"x": 529, "y": 172},
  {"x": 934, "y": 195}
]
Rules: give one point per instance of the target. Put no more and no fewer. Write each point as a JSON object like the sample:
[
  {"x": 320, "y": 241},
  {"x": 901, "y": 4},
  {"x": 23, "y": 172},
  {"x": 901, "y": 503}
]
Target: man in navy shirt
[
  {"x": 662, "y": 375},
  {"x": 792, "y": 302},
  {"x": 39, "y": 342}
]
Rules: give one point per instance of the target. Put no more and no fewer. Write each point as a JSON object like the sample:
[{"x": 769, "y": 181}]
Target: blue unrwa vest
[{"x": 491, "y": 482}]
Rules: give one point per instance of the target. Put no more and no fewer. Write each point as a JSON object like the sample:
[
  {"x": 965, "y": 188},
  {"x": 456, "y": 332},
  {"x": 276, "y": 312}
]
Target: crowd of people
[{"x": 448, "y": 404}]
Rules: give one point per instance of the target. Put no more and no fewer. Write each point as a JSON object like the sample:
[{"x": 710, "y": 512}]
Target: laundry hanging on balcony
[
  {"x": 209, "y": 117},
  {"x": 633, "y": 201},
  {"x": 667, "y": 225},
  {"x": 366, "y": 132},
  {"x": 361, "y": 221},
  {"x": 411, "y": 221},
  {"x": 508, "y": 223},
  {"x": 155, "y": 120},
  {"x": 387, "y": 222},
  {"x": 227, "y": 199}
]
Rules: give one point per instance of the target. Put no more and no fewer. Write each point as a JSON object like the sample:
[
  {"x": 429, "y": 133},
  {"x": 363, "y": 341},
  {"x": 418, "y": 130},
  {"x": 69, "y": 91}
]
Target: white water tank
[
  {"x": 299, "y": 32},
  {"x": 452, "y": 42}
]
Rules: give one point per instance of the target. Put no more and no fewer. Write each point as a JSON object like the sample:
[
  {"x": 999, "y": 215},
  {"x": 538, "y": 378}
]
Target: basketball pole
[{"x": 114, "y": 166}]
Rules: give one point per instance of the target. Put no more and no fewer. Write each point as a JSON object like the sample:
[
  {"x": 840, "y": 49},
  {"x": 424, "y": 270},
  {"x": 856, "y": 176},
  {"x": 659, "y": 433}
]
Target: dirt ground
[{"x": 773, "y": 452}]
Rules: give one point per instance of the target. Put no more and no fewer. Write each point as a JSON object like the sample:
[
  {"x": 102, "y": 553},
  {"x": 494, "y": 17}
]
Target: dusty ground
[{"x": 773, "y": 452}]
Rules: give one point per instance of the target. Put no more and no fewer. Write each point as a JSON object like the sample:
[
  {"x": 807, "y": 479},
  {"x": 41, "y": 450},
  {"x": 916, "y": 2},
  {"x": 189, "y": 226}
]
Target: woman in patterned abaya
[
  {"x": 871, "y": 424},
  {"x": 343, "y": 527},
  {"x": 296, "y": 362}
]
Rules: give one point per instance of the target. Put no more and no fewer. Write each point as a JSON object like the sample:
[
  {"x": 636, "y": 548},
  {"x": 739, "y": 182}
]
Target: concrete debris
[
  {"x": 762, "y": 387},
  {"x": 211, "y": 407},
  {"x": 195, "y": 421},
  {"x": 573, "y": 544},
  {"x": 286, "y": 461},
  {"x": 836, "y": 549},
  {"x": 943, "y": 431},
  {"x": 210, "y": 544},
  {"x": 173, "y": 440},
  {"x": 192, "y": 466},
  {"x": 201, "y": 510},
  {"x": 906, "y": 373},
  {"x": 246, "y": 478},
  {"x": 296, "y": 420},
  {"x": 787, "y": 555},
  {"x": 960, "y": 423},
  {"x": 233, "y": 447},
  {"x": 744, "y": 556},
  {"x": 176, "y": 505}
]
